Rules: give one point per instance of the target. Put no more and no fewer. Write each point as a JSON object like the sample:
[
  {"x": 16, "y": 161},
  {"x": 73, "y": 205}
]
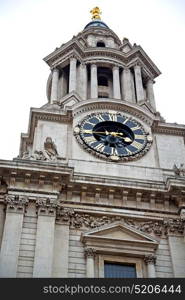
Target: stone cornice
[
  {"x": 27, "y": 170},
  {"x": 124, "y": 59},
  {"x": 168, "y": 128}
]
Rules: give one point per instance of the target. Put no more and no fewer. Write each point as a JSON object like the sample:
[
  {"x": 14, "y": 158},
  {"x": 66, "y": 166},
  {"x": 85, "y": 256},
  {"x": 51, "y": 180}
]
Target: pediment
[
  {"x": 70, "y": 100},
  {"x": 147, "y": 107},
  {"x": 119, "y": 232}
]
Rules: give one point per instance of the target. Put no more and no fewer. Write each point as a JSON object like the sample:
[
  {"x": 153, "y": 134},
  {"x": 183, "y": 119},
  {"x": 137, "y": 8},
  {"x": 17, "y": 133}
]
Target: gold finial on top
[{"x": 96, "y": 12}]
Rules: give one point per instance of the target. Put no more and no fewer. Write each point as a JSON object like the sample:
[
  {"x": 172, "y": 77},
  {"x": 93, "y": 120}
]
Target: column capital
[
  {"x": 46, "y": 206},
  {"x": 90, "y": 252},
  {"x": 64, "y": 215},
  {"x": 150, "y": 259},
  {"x": 73, "y": 58},
  {"x": 115, "y": 67},
  {"x": 94, "y": 65},
  {"x": 54, "y": 69},
  {"x": 16, "y": 203}
]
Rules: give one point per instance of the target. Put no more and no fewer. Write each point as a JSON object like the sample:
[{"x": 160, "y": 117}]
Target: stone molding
[
  {"x": 90, "y": 252},
  {"x": 16, "y": 203},
  {"x": 150, "y": 259}
]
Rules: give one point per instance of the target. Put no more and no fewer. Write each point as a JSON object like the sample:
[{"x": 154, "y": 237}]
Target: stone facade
[{"x": 65, "y": 209}]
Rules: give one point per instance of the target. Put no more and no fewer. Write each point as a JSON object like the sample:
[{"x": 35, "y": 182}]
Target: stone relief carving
[
  {"x": 179, "y": 171},
  {"x": 156, "y": 228}
]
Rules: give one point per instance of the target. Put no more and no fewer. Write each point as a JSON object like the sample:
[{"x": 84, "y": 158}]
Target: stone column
[
  {"x": 116, "y": 83},
  {"x": 127, "y": 85},
  {"x": 54, "y": 85},
  {"x": 43, "y": 261},
  {"x": 138, "y": 83},
  {"x": 72, "y": 74},
  {"x": 150, "y": 260},
  {"x": 90, "y": 253},
  {"x": 83, "y": 81},
  {"x": 12, "y": 235},
  {"x": 94, "y": 81},
  {"x": 150, "y": 93}
]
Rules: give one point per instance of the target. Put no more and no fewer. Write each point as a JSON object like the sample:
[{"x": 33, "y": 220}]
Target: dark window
[
  {"x": 102, "y": 81},
  {"x": 100, "y": 44},
  {"x": 113, "y": 270},
  {"x": 102, "y": 96}
]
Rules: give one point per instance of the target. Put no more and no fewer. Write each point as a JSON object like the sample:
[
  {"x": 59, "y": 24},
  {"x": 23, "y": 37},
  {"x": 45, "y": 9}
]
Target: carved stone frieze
[
  {"x": 86, "y": 220},
  {"x": 16, "y": 203}
]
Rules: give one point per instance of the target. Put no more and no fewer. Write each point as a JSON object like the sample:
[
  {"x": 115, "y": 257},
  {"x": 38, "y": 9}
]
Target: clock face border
[{"x": 122, "y": 138}]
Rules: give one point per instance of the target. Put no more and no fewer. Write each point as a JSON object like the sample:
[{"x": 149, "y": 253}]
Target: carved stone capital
[
  {"x": 90, "y": 252},
  {"x": 174, "y": 226},
  {"x": 64, "y": 215},
  {"x": 150, "y": 259},
  {"x": 16, "y": 203},
  {"x": 46, "y": 206}
]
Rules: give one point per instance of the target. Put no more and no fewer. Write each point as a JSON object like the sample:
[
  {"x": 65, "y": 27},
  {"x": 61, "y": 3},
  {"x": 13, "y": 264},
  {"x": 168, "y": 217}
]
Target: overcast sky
[{"x": 31, "y": 29}]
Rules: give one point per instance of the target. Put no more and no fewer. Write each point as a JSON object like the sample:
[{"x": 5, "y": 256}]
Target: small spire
[{"x": 96, "y": 12}]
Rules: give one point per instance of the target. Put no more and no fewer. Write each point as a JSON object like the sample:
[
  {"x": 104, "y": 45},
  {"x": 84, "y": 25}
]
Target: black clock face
[{"x": 113, "y": 136}]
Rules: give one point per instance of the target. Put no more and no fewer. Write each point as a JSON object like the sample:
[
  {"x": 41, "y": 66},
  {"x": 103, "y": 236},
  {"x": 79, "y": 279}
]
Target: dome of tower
[{"x": 96, "y": 23}]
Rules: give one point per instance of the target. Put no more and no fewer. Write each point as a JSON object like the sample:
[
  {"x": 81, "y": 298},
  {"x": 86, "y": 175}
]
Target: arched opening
[{"x": 100, "y": 44}]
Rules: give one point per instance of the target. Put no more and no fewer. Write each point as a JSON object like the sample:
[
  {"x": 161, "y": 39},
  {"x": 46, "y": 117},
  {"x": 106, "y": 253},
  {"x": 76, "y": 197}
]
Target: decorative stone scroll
[{"x": 16, "y": 203}]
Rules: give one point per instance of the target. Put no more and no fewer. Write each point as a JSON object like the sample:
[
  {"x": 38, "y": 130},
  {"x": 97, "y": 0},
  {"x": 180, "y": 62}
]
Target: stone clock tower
[{"x": 98, "y": 188}]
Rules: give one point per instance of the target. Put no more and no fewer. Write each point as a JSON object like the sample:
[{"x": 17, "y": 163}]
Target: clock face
[{"x": 113, "y": 136}]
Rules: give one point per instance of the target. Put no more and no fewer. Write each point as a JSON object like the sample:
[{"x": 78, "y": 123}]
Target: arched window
[
  {"x": 100, "y": 44},
  {"x": 102, "y": 80}
]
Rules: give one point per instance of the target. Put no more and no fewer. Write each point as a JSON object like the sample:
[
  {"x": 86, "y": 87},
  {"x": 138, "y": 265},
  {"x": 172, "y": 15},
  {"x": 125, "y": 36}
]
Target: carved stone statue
[{"x": 50, "y": 149}]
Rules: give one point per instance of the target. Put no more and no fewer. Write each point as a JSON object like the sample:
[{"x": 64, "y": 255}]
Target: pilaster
[
  {"x": 46, "y": 209},
  {"x": 127, "y": 85},
  {"x": 138, "y": 83},
  {"x": 150, "y": 261},
  {"x": 90, "y": 254},
  {"x": 150, "y": 93},
  {"x": 12, "y": 234}
]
